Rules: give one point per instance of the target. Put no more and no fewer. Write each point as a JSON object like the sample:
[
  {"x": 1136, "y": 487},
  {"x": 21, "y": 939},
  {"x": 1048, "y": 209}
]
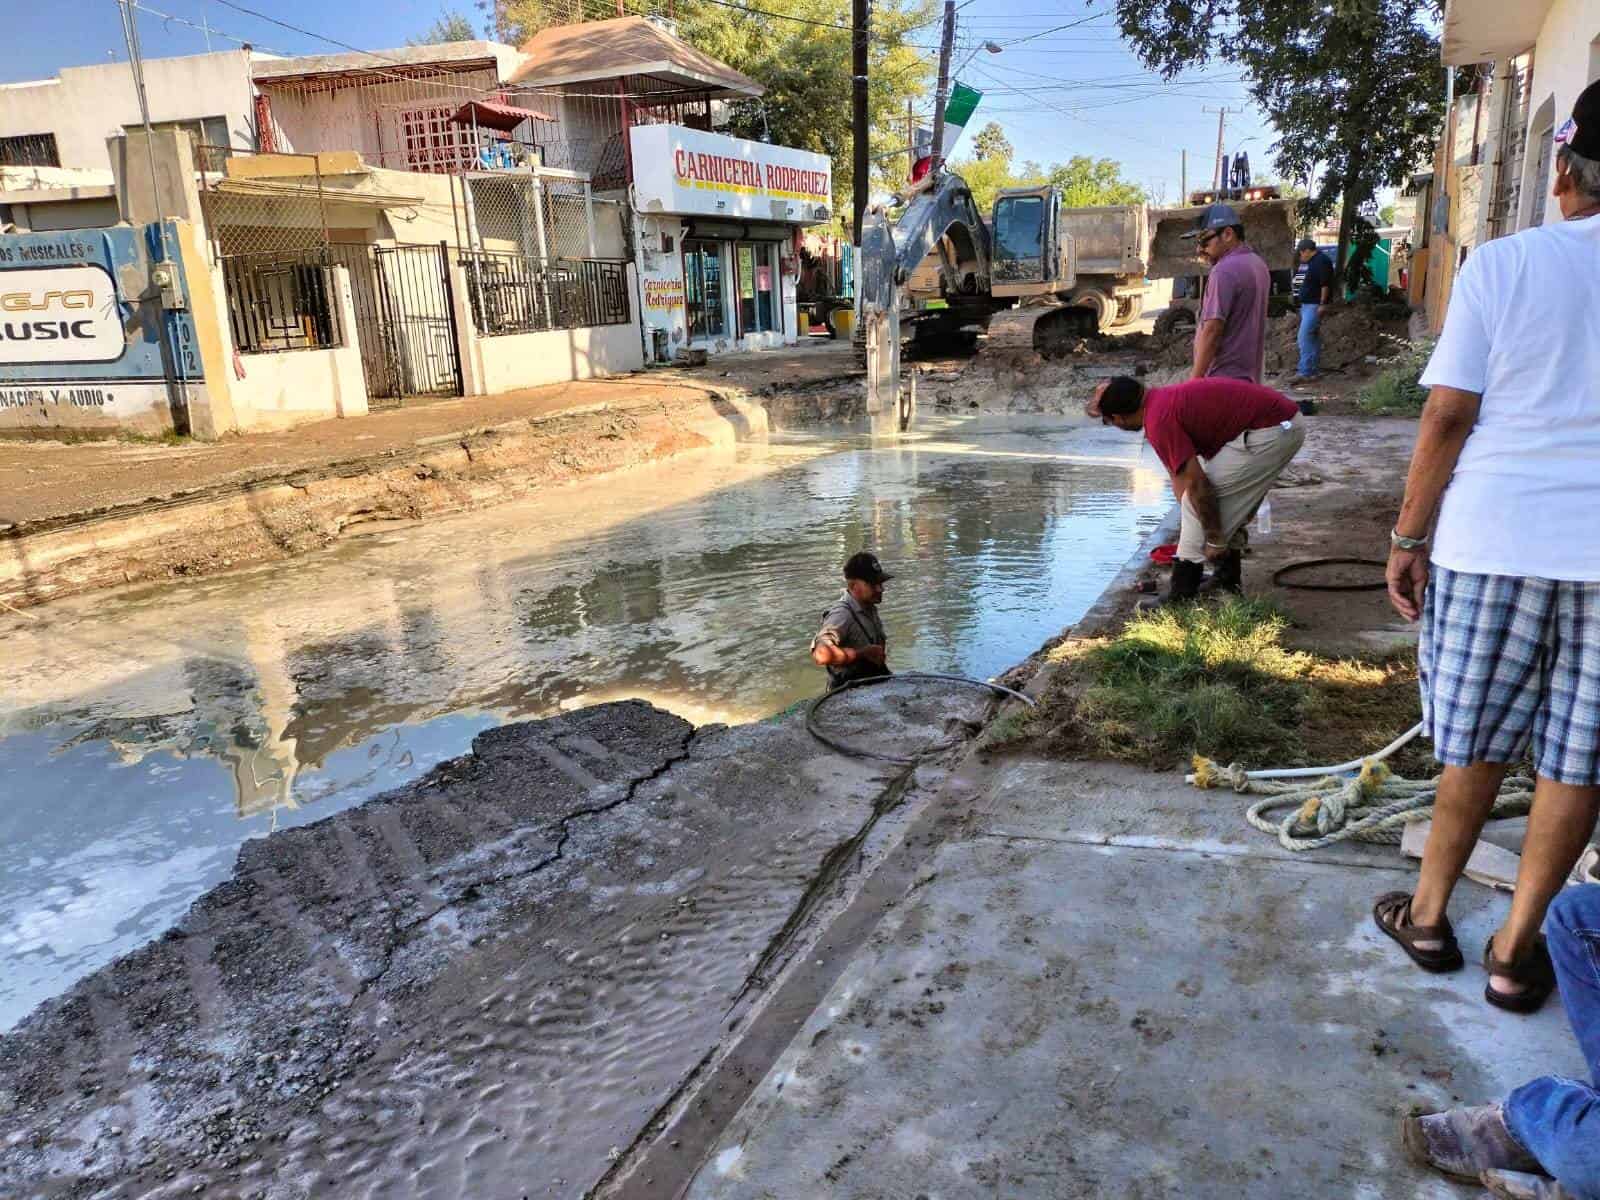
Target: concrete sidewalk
[
  {"x": 1111, "y": 986},
  {"x": 45, "y": 481}
]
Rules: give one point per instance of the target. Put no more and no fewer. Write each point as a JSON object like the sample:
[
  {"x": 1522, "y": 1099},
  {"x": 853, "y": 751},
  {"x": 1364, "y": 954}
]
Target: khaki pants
[{"x": 1241, "y": 475}]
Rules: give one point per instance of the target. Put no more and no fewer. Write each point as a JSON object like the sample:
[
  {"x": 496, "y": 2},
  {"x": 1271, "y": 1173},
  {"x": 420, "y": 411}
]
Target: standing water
[{"x": 145, "y": 734}]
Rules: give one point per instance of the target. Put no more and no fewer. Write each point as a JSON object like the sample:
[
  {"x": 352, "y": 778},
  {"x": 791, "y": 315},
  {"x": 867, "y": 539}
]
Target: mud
[
  {"x": 1352, "y": 334},
  {"x": 484, "y": 984},
  {"x": 230, "y": 524}
]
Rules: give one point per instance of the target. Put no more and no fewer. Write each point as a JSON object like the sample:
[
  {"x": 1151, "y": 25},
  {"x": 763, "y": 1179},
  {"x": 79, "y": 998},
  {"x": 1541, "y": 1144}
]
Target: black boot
[
  {"x": 1226, "y": 576},
  {"x": 1185, "y": 586}
]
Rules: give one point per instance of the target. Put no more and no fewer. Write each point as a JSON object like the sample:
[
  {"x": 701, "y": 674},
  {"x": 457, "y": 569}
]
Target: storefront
[{"x": 717, "y": 222}]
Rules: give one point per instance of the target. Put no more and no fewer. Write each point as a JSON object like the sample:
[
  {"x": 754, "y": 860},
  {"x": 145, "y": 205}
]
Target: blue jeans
[
  {"x": 1309, "y": 341},
  {"x": 1558, "y": 1120}
]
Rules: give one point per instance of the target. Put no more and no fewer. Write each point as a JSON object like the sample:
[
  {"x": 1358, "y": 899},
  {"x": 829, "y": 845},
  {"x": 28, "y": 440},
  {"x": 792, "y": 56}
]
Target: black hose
[
  {"x": 900, "y": 760},
  {"x": 1306, "y": 564}
]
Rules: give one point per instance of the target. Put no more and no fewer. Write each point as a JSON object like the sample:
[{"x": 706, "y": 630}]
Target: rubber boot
[
  {"x": 1227, "y": 575},
  {"x": 1184, "y": 588}
]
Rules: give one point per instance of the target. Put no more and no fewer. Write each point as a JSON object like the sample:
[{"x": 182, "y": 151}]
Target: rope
[
  {"x": 899, "y": 760},
  {"x": 1373, "y": 806},
  {"x": 1279, "y": 577}
]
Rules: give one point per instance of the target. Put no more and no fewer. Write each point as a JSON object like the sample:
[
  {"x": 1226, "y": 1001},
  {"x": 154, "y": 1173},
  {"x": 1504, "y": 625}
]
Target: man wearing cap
[
  {"x": 1316, "y": 285},
  {"x": 1225, "y": 441},
  {"x": 1231, "y": 339},
  {"x": 852, "y": 644},
  {"x": 1506, "y": 474}
]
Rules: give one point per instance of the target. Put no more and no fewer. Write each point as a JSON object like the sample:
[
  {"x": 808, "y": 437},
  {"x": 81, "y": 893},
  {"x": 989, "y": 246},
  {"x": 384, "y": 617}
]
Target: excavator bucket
[
  {"x": 1268, "y": 226},
  {"x": 879, "y": 316}
]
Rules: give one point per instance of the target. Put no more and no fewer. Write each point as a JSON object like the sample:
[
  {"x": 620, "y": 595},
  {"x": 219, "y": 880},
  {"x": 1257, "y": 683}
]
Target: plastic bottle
[{"x": 1264, "y": 517}]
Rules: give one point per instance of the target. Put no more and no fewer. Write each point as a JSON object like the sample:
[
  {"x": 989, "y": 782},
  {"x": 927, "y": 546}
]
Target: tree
[
  {"x": 987, "y": 176},
  {"x": 1386, "y": 215},
  {"x": 1086, "y": 182},
  {"x": 451, "y": 26},
  {"x": 801, "y": 56},
  {"x": 991, "y": 142},
  {"x": 1355, "y": 86}
]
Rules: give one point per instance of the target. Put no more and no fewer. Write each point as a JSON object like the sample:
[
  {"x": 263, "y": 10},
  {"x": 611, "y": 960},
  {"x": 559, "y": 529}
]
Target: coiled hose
[{"x": 900, "y": 760}]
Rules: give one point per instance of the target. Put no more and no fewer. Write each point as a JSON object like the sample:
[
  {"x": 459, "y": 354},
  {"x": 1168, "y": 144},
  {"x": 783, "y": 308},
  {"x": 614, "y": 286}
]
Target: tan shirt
[{"x": 853, "y": 626}]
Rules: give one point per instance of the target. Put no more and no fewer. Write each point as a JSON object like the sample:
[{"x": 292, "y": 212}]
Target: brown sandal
[
  {"x": 1534, "y": 971},
  {"x": 1392, "y": 913}
]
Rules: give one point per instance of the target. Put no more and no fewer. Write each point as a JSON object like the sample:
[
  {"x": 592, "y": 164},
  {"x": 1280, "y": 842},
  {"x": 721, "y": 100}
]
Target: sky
[{"x": 1055, "y": 92}]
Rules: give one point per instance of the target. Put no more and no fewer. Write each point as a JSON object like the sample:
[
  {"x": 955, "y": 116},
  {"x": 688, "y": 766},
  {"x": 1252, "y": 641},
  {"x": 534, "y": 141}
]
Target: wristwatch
[{"x": 1400, "y": 542}]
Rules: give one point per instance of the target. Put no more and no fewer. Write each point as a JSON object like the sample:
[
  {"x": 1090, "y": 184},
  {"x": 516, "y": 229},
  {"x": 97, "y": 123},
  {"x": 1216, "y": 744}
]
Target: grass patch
[
  {"x": 1216, "y": 680},
  {"x": 1395, "y": 391}
]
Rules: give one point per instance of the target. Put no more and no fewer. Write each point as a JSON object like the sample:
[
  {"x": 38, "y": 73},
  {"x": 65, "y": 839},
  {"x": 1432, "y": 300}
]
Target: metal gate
[{"x": 405, "y": 320}]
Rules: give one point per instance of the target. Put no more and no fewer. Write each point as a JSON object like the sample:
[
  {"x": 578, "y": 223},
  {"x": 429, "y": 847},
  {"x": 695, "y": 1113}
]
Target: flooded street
[{"x": 145, "y": 735}]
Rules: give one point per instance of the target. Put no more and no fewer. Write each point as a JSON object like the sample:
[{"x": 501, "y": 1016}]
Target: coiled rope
[{"x": 1327, "y": 806}]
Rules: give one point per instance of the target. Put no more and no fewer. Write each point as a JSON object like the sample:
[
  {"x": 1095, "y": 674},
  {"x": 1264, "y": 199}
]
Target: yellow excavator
[{"x": 938, "y": 270}]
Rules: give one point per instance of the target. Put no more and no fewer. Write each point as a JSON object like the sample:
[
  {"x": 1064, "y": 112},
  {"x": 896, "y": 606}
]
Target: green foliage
[
  {"x": 987, "y": 176},
  {"x": 1395, "y": 391},
  {"x": 1084, "y": 182},
  {"x": 804, "y": 65},
  {"x": 1353, "y": 87},
  {"x": 452, "y": 26},
  {"x": 991, "y": 142},
  {"x": 1386, "y": 215}
]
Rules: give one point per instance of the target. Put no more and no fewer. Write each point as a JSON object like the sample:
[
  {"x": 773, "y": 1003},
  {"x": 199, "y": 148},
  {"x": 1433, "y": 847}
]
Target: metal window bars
[{"x": 513, "y": 293}]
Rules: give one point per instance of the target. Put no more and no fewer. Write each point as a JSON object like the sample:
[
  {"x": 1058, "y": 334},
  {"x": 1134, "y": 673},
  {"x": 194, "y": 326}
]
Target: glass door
[
  {"x": 702, "y": 289},
  {"x": 758, "y": 287}
]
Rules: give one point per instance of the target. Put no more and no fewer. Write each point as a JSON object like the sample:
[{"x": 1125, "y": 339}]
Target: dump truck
[{"x": 1113, "y": 243}]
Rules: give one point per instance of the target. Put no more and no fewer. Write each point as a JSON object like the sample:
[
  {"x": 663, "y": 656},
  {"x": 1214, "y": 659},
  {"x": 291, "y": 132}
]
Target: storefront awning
[{"x": 490, "y": 114}]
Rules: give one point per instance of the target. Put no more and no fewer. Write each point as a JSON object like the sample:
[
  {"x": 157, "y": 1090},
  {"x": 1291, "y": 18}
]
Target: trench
[{"x": 146, "y": 733}]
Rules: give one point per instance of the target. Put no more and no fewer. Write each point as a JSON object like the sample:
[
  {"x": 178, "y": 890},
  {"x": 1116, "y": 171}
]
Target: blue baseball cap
[{"x": 1216, "y": 216}]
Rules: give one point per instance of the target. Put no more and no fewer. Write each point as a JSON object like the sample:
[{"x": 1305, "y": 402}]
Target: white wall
[
  {"x": 85, "y": 105},
  {"x": 524, "y": 360},
  {"x": 1565, "y": 60},
  {"x": 296, "y": 386}
]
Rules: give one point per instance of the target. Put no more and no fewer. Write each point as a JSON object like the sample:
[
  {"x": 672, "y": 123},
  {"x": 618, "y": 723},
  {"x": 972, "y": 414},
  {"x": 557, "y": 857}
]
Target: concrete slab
[{"x": 1061, "y": 1018}]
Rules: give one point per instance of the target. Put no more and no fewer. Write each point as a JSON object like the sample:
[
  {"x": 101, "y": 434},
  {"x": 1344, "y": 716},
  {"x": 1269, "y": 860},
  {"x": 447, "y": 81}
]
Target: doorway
[
  {"x": 703, "y": 293},
  {"x": 759, "y": 311}
]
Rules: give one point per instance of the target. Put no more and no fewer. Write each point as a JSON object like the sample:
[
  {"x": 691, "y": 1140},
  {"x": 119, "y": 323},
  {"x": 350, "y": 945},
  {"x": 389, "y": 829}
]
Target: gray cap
[
  {"x": 1306, "y": 244},
  {"x": 1216, "y": 216}
]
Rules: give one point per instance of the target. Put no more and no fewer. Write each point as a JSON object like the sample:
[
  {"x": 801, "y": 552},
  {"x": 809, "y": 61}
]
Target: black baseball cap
[
  {"x": 1215, "y": 216},
  {"x": 865, "y": 567},
  {"x": 1306, "y": 244},
  {"x": 1582, "y": 132}
]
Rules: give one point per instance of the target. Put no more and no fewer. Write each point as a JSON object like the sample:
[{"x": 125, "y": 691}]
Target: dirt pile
[{"x": 1351, "y": 333}]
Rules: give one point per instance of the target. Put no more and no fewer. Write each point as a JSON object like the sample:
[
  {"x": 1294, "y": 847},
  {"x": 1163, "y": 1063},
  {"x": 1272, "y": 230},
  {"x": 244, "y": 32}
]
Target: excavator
[{"x": 1015, "y": 276}]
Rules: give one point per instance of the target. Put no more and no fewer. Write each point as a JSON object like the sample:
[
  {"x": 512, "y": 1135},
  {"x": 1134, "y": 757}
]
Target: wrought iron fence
[
  {"x": 281, "y": 301},
  {"x": 513, "y": 293}
]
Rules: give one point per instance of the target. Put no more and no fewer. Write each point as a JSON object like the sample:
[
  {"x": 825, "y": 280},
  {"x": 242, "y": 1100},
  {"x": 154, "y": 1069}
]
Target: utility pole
[
  {"x": 1183, "y": 177},
  {"x": 941, "y": 98},
  {"x": 858, "y": 113},
  {"x": 1222, "y": 117}
]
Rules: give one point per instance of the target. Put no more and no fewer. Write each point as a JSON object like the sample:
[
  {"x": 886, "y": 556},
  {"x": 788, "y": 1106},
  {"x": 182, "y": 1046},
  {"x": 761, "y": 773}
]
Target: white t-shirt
[{"x": 1523, "y": 331}]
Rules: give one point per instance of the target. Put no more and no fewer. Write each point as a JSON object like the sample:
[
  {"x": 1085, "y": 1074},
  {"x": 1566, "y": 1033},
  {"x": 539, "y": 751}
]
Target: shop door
[
  {"x": 759, "y": 311},
  {"x": 703, "y": 295}
]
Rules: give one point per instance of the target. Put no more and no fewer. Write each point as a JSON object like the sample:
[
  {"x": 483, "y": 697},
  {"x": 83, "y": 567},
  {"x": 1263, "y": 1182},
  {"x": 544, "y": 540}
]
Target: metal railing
[
  {"x": 513, "y": 293},
  {"x": 281, "y": 301}
]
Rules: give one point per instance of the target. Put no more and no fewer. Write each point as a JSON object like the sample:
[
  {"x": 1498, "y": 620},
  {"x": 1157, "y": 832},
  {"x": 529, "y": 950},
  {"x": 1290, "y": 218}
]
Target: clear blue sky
[{"x": 1077, "y": 91}]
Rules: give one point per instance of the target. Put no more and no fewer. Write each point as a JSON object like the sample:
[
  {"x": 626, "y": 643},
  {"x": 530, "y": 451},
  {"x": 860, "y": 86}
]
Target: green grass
[
  {"x": 1215, "y": 680},
  {"x": 1395, "y": 391}
]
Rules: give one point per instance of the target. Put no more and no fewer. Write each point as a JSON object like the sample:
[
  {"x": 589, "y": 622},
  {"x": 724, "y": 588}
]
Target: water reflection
[{"x": 143, "y": 735}]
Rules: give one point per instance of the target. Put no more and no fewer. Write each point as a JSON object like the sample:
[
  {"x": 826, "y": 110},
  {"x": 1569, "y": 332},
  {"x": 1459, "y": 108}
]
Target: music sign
[{"x": 62, "y": 314}]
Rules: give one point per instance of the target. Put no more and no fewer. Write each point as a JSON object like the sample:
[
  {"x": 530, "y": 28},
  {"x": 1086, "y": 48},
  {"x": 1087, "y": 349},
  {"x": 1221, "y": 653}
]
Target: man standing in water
[{"x": 852, "y": 644}]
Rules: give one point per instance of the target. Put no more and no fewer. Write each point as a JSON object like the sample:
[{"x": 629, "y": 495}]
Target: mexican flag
[{"x": 957, "y": 113}]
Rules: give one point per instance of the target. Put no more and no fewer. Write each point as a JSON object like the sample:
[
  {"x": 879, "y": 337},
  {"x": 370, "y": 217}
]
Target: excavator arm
[{"x": 941, "y": 217}]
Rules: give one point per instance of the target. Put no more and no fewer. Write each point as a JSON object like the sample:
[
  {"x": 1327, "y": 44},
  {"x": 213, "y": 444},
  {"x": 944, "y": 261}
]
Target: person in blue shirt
[{"x": 1316, "y": 288}]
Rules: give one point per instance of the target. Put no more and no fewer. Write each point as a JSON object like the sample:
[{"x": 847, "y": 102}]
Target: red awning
[{"x": 489, "y": 114}]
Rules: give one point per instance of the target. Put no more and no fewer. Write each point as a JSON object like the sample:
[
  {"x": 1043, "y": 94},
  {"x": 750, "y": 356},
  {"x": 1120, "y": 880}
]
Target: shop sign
[
  {"x": 63, "y": 314},
  {"x": 663, "y": 293},
  {"x": 678, "y": 170}
]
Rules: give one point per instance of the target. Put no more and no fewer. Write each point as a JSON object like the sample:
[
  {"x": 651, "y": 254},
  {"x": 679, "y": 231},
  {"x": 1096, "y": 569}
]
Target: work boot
[
  {"x": 1184, "y": 588},
  {"x": 1227, "y": 575},
  {"x": 1521, "y": 1185},
  {"x": 1465, "y": 1142}
]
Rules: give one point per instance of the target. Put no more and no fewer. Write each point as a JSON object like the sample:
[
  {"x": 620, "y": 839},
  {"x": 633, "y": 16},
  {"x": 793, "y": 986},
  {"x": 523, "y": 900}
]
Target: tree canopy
[
  {"x": 991, "y": 142},
  {"x": 452, "y": 26},
  {"x": 1353, "y": 86}
]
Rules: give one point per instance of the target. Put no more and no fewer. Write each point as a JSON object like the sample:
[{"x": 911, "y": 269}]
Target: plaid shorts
[{"x": 1507, "y": 660}]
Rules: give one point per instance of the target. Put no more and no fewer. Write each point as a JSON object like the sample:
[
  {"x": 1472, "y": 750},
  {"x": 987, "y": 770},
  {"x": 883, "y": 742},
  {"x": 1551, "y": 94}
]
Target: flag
[{"x": 957, "y": 113}]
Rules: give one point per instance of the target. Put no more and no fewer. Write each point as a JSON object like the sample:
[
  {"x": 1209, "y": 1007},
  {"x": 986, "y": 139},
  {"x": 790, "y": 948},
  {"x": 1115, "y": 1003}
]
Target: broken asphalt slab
[
  {"x": 485, "y": 984},
  {"x": 1111, "y": 986}
]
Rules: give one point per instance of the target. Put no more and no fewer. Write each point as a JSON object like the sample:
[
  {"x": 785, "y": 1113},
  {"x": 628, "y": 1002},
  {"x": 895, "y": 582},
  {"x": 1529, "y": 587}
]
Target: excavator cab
[{"x": 1028, "y": 254}]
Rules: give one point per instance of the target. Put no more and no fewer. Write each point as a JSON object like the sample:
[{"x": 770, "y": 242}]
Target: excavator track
[{"x": 1048, "y": 330}]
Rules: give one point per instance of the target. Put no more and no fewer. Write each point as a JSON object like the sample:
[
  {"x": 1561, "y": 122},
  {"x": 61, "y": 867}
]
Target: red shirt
[{"x": 1201, "y": 416}]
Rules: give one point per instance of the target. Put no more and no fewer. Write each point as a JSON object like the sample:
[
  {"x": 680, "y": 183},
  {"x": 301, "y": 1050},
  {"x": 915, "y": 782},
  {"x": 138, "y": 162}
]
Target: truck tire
[
  {"x": 1129, "y": 310},
  {"x": 1173, "y": 321},
  {"x": 1102, "y": 307}
]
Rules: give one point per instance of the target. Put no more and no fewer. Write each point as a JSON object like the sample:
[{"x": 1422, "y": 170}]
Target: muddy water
[{"x": 144, "y": 735}]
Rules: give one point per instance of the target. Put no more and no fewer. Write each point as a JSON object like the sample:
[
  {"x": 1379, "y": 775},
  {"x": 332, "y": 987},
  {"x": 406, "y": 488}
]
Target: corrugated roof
[
  {"x": 625, "y": 46},
  {"x": 404, "y": 60},
  {"x": 492, "y": 115}
]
